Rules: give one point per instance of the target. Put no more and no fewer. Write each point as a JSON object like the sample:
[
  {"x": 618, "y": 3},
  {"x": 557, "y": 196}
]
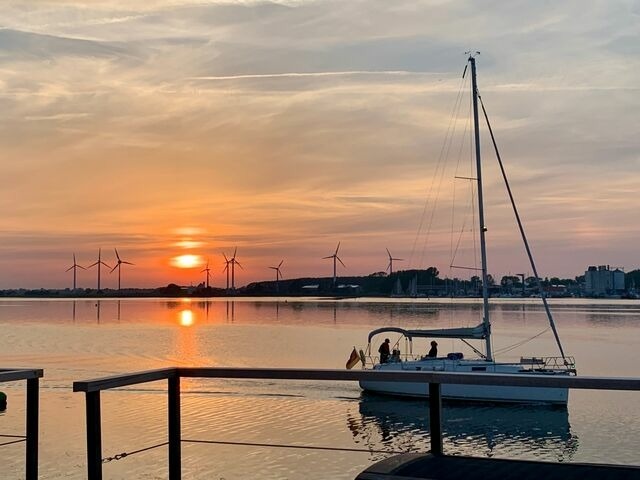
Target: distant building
[{"x": 602, "y": 280}]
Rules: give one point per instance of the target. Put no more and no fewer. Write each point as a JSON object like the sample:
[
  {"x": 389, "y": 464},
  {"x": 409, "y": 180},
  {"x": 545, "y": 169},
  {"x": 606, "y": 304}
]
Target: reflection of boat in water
[
  {"x": 485, "y": 362},
  {"x": 539, "y": 431}
]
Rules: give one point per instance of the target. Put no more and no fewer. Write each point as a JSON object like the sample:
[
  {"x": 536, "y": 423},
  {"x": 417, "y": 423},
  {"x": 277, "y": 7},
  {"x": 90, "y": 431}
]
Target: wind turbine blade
[
  {"x": 128, "y": 263},
  {"x": 273, "y": 268},
  {"x": 226, "y": 267},
  {"x": 108, "y": 266},
  {"x": 225, "y": 257},
  {"x": 337, "y": 248},
  {"x": 117, "y": 265},
  {"x": 117, "y": 256},
  {"x": 71, "y": 267},
  {"x": 279, "y": 274},
  {"x": 399, "y": 259},
  {"x": 338, "y": 258},
  {"x": 280, "y": 264},
  {"x": 238, "y": 263},
  {"x": 388, "y": 252},
  {"x": 235, "y": 252},
  {"x": 93, "y": 265},
  {"x": 330, "y": 256},
  {"x": 389, "y": 266},
  {"x": 80, "y": 266}
]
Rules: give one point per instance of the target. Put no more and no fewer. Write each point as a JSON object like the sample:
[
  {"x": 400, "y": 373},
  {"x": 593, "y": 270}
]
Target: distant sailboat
[
  {"x": 413, "y": 286},
  {"x": 397, "y": 288},
  {"x": 484, "y": 363}
]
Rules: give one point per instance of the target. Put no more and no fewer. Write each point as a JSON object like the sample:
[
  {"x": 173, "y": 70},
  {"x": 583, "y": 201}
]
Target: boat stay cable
[{"x": 522, "y": 234}]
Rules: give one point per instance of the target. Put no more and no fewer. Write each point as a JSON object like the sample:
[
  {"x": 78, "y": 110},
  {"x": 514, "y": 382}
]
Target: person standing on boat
[
  {"x": 433, "y": 353},
  {"x": 384, "y": 351}
]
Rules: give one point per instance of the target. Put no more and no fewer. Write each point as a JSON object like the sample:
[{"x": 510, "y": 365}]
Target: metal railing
[
  {"x": 32, "y": 376},
  {"x": 92, "y": 389}
]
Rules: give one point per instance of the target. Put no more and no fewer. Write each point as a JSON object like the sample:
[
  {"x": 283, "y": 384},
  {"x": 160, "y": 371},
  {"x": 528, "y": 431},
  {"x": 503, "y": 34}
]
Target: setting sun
[{"x": 186, "y": 261}]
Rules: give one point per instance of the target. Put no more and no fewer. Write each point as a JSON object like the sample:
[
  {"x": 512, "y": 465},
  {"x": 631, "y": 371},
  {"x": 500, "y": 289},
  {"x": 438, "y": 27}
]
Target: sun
[{"x": 187, "y": 261}]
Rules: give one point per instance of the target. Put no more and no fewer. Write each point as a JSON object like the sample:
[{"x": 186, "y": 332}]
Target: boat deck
[{"x": 445, "y": 467}]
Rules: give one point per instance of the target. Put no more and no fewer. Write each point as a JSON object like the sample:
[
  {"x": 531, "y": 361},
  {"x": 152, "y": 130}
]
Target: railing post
[
  {"x": 94, "y": 436},
  {"x": 33, "y": 385},
  {"x": 175, "y": 454},
  {"x": 435, "y": 418}
]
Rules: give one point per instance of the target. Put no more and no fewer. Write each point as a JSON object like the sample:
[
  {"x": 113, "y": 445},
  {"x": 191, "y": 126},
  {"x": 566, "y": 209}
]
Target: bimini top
[{"x": 477, "y": 332}]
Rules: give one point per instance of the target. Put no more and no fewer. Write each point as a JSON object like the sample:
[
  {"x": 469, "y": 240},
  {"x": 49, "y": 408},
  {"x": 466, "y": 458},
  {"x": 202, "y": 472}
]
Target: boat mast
[{"x": 483, "y": 228}]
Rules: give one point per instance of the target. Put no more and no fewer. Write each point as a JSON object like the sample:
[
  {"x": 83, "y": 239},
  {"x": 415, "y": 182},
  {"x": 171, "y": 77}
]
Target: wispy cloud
[{"x": 286, "y": 126}]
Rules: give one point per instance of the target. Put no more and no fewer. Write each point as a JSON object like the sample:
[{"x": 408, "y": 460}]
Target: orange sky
[{"x": 189, "y": 128}]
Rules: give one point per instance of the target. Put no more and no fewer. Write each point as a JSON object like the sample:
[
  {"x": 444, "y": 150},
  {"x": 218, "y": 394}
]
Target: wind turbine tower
[
  {"x": 278, "y": 275},
  {"x": 226, "y": 269},
  {"x": 74, "y": 267},
  {"x": 207, "y": 269},
  {"x": 391, "y": 259},
  {"x": 99, "y": 263},
  {"x": 336, "y": 258},
  {"x": 234, "y": 262},
  {"x": 118, "y": 266}
]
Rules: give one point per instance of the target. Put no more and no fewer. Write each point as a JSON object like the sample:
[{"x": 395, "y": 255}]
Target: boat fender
[
  {"x": 455, "y": 356},
  {"x": 3, "y": 401}
]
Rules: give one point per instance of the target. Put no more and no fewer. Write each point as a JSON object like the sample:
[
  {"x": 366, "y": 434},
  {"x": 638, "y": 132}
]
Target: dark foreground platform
[{"x": 430, "y": 467}]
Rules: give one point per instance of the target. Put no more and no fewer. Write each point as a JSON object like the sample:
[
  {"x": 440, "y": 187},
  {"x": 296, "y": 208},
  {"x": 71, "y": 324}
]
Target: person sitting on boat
[
  {"x": 384, "y": 351},
  {"x": 433, "y": 353}
]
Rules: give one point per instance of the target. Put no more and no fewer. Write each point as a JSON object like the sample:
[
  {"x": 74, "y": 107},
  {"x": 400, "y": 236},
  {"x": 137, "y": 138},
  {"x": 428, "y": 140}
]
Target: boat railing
[
  {"x": 371, "y": 360},
  {"x": 32, "y": 376},
  {"x": 554, "y": 364},
  {"x": 93, "y": 389}
]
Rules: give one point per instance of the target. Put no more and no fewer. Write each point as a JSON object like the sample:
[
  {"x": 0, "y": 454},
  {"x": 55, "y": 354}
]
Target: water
[{"x": 83, "y": 339}]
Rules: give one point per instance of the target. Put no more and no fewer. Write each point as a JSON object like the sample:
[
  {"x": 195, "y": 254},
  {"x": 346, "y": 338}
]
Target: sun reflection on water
[{"x": 186, "y": 318}]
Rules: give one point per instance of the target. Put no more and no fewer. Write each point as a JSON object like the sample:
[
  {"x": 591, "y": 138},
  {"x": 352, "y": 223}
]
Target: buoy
[{"x": 3, "y": 401}]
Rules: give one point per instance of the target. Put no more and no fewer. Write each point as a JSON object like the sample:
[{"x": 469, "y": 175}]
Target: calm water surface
[{"x": 83, "y": 339}]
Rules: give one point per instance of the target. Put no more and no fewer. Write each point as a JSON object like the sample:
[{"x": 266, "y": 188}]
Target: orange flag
[{"x": 354, "y": 358}]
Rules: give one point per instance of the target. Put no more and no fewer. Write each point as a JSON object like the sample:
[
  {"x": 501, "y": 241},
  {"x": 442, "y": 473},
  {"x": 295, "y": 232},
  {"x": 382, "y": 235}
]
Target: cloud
[{"x": 287, "y": 126}]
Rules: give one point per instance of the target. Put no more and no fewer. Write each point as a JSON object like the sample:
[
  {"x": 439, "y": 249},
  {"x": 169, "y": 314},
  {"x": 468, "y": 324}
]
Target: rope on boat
[
  {"x": 438, "y": 176},
  {"x": 519, "y": 344}
]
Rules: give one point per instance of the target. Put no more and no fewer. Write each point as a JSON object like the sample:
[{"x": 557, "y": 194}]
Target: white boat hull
[{"x": 485, "y": 393}]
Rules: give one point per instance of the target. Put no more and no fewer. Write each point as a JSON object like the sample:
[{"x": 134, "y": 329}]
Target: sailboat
[{"x": 485, "y": 362}]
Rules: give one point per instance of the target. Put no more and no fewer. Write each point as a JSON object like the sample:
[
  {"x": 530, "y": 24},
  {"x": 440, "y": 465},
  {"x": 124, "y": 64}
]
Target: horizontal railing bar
[
  {"x": 516, "y": 380},
  {"x": 13, "y": 374},
  {"x": 124, "y": 380},
  {"x": 520, "y": 380}
]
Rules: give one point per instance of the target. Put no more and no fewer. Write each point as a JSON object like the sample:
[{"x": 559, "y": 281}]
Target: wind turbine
[
  {"x": 74, "y": 267},
  {"x": 118, "y": 266},
  {"x": 391, "y": 259},
  {"x": 234, "y": 262},
  {"x": 226, "y": 269},
  {"x": 207, "y": 269},
  {"x": 335, "y": 258},
  {"x": 278, "y": 275},
  {"x": 99, "y": 263}
]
